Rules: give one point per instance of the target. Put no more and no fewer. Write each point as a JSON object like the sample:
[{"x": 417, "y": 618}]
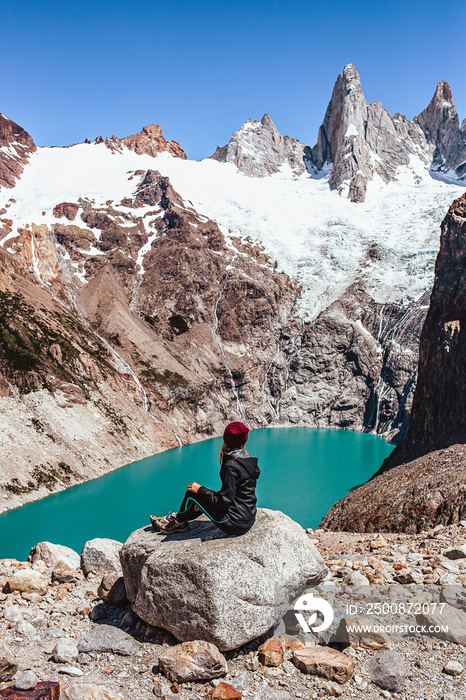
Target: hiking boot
[
  {"x": 169, "y": 524},
  {"x": 157, "y": 522}
]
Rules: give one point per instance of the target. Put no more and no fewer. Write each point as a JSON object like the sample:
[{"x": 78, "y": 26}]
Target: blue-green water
[{"x": 304, "y": 471}]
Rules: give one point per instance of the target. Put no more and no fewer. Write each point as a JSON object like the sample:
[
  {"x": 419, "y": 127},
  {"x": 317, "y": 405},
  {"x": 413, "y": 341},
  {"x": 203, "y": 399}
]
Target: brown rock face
[
  {"x": 19, "y": 144},
  {"x": 429, "y": 485},
  {"x": 149, "y": 141},
  {"x": 66, "y": 209}
]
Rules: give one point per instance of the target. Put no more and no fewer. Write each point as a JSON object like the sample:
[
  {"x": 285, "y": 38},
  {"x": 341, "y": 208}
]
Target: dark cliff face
[
  {"x": 423, "y": 482},
  {"x": 439, "y": 406},
  {"x": 17, "y": 145}
]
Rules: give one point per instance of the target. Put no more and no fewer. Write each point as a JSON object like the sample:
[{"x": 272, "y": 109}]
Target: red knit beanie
[{"x": 235, "y": 434}]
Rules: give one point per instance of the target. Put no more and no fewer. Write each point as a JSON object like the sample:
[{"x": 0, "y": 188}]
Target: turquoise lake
[{"x": 304, "y": 471}]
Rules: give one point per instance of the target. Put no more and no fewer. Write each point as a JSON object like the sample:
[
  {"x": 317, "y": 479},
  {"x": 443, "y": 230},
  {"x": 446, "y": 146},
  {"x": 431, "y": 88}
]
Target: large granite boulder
[{"x": 226, "y": 590}]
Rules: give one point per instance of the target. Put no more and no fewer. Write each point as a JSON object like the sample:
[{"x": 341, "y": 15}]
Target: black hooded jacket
[{"x": 239, "y": 474}]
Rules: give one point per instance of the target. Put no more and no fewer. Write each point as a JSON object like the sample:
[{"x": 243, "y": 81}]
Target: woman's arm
[{"x": 225, "y": 496}]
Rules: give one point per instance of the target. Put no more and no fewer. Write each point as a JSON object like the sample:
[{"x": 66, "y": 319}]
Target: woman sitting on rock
[{"x": 233, "y": 508}]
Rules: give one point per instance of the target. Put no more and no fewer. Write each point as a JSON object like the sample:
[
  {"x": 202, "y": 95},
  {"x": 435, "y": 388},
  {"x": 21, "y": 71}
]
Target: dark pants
[{"x": 194, "y": 505}]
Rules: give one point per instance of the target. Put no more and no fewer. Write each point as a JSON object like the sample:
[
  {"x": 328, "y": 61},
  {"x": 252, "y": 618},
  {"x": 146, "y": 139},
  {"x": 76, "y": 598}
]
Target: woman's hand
[{"x": 193, "y": 487}]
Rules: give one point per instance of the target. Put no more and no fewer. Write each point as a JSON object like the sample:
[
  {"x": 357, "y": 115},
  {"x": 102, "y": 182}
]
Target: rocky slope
[
  {"x": 429, "y": 486},
  {"x": 258, "y": 150},
  {"x": 162, "y": 284},
  {"x": 66, "y": 626},
  {"x": 15, "y": 147}
]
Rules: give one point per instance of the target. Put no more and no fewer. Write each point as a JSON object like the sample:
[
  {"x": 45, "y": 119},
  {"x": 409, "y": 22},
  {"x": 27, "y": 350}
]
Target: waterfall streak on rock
[
  {"x": 266, "y": 399},
  {"x": 221, "y": 348}
]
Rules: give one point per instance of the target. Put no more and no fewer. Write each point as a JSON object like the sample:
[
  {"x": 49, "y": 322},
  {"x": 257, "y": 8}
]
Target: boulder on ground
[
  {"x": 226, "y": 590},
  {"x": 324, "y": 662},
  {"x": 445, "y": 622},
  {"x": 192, "y": 661},
  {"x": 86, "y": 691},
  {"x": 271, "y": 652},
  {"x": 52, "y": 553},
  {"x": 112, "y": 589},
  {"x": 100, "y": 555},
  {"x": 106, "y": 639},
  {"x": 8, "y": 665},
  {"x": 225, "y": 691},
  {"x": 27, "y": 581},
  {"x": 64, "y": 573},
  {"x": 387, "y": 670},
  {"x": 65, "y": 651}
]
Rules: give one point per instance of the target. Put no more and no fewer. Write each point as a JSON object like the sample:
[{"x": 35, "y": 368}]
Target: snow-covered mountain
[{"x": 243, "y": 285}]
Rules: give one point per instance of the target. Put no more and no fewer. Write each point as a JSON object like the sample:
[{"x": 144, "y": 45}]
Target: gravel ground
[{"x": 32, "y": 623}]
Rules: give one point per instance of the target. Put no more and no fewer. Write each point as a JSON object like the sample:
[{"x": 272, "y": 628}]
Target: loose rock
[
  {"x": 52, "y": 553},
  {"x": 65, "y": 651},
  {"x": 8, "y": 664},
  {"x": 271, "y": 652},
  {"x": 387, "y": 670},
  {"x": 108, "y": 639},
  {"x": 450, "y": 623},
  {"x": 28, "y": 581},
  {"x": 112, "y": 589},
  {"x": 64, "y": 573},
  {"x": 348, "y": 635},
  {"x": 456, "y": 552},
  {"x": 193, "y": 661},
  {"x": 26, "y": 681},
  {"x": 324, "y": 662},
  {"x": 224, "y": 691},
  {"x": 453, "y": 668},
  {"x": 101, "y": 555}
]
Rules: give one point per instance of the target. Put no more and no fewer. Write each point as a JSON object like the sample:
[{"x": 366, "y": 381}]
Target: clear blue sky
[{"x": 76, "y": 70}]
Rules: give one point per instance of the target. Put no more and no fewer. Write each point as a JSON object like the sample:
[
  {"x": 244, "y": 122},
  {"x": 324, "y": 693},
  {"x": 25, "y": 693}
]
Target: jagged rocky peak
[
  {"x": 358, "y": 140},
  {"x": 440, "y": 123},
  {"x": 258, "y": 149},
  {"x": 15, "y": 146},
  {"x": 149, "y": 141}
]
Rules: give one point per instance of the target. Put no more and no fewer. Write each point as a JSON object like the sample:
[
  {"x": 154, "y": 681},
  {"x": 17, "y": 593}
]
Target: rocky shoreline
[{"x": 79, "y": 629}]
